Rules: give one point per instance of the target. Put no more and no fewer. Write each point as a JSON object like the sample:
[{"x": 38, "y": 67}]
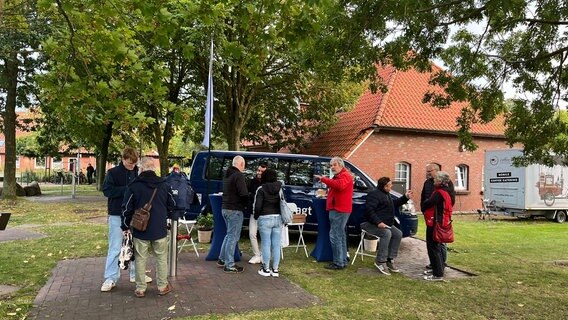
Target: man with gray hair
[
  {"x": 149, "y": 188},
  {"x": 339, "y": 204},
  {"x": 235, "y": 200}
]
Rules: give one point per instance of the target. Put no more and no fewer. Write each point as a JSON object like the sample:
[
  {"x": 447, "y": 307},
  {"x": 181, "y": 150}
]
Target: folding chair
[
  {"x": 300, "y": 244},
  {"x": 188, "y": 224},
  {"x": 360, "y": 250},
  {"x": 300, "y": 225}
]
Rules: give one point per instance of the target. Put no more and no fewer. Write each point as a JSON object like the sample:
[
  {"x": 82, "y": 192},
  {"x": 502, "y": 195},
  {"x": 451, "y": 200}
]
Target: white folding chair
[
  {"x": 188, "y": 224},
  {"x": 360, "y": 250}
]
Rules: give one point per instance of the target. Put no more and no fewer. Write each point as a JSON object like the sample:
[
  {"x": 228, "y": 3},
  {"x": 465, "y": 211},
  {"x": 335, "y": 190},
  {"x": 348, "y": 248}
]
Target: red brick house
[{"x": 396, "y": 135}]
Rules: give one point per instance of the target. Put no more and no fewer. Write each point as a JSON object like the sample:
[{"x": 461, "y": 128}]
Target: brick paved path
[{"x": 73, "y": 292}]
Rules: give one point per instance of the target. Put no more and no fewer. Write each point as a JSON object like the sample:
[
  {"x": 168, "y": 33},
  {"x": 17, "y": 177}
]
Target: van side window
[
  {"x": 301, "y": 173},
  {"x": 218, "y": 166},
  {"x": 251, "y": 164}
]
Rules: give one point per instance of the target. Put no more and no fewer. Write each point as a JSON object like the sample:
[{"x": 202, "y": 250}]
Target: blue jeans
[
  {"x": 112, "y": 271},
  {"x": 234, "y": 221},
  {"x": 270, "y": 227},
  {"x": 338, "y": 237}
]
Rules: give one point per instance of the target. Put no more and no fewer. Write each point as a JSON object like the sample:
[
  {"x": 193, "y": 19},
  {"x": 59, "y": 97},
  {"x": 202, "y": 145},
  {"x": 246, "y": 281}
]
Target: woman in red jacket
[
  {"x": 339, "y": 204},
  {"x": 440, "y": 204}
]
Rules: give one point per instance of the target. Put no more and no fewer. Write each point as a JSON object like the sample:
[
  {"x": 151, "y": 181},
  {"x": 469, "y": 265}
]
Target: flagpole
[{"x": 209, "y": 116}]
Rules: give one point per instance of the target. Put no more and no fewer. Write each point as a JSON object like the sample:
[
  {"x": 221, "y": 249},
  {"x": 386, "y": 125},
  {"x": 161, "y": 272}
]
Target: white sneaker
[
  {"x": 108, "y": 285},
  {"x": 148, "y": 279},
  {"x": 433, "y": 278},
  {"x": 255, "y": 260},
  {"x": 263, "y": 272},
  {"x": 274, "y": 273}
]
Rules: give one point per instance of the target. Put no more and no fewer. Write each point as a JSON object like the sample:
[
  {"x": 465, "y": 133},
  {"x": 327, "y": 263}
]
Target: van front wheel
[{"x": 560, "y": 216}]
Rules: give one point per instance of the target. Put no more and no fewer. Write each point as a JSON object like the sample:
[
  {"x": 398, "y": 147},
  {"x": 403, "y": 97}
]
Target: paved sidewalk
[{"x": 73, "y": 292}]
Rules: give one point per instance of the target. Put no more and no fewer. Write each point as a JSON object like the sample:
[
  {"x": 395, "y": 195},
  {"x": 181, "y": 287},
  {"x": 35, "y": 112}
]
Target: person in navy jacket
[
  {"x": 114, "y": 186},
  {"x": 153, "y": 239}
]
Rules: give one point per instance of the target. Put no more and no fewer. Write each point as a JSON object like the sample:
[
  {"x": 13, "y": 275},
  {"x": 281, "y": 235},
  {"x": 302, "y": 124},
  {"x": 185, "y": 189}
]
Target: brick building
[{"x": 396, "y": 135}]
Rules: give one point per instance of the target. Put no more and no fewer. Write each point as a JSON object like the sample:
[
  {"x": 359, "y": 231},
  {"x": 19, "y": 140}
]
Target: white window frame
[
  {"x": 36, "y": 165},
  {"x": 402, "y": 173},
  {"x": 17, "y": 162},
  {"x": 56, "y": 164},
  {"x": 462, "y": 177}
]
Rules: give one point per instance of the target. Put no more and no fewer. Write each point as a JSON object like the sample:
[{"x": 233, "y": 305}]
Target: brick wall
[{"x": 378, "y": 155}]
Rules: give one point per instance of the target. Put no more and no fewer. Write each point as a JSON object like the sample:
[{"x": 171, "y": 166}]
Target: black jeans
[{"x": 434, "y": 253}]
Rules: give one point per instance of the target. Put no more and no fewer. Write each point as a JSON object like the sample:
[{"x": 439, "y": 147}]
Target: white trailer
[{"x": 523, "y": 192}]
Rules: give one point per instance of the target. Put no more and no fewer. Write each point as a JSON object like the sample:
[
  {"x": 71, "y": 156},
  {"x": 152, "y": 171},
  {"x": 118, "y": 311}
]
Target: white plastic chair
[{"x": 188, "y": 224}]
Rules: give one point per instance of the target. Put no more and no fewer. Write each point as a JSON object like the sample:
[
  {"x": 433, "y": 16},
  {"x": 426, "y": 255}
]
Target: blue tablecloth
[
  {"x": 322, "y": 251},
  {"x": 219, "y": 230}
]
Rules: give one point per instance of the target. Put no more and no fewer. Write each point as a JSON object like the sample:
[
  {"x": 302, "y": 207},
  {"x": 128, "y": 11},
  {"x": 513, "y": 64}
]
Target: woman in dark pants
[{"x": 439, "y": 204}]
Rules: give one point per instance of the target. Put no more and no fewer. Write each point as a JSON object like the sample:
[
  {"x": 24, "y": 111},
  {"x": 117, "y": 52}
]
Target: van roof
[{"x": 267, "y": 154}]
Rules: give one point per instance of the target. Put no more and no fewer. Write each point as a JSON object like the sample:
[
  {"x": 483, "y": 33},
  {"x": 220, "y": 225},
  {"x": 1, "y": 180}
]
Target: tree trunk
[
  {"x": 103, "y": 158},
  {"x": 163, "y": 147},
  {"x": 11, "y": 75},
  {"x": 234, "y": 137}
]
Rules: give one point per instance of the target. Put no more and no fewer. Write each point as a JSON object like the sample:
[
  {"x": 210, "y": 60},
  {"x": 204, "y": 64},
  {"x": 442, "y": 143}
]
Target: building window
[
  {"x": 39, "y": 162},
  {"x": 18, "y": 162},
  {"x": 56, "y": 163},
  {"x": 402, "y": 173},
  {"x": 462, "y": 174}
]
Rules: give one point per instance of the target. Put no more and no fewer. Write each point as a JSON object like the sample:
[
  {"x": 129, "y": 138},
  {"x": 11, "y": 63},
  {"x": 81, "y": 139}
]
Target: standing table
[{"x": 322, "y": 251}]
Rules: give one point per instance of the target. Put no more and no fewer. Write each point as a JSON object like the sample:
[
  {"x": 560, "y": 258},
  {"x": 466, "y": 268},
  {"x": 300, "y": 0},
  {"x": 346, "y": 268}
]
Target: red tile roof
[{"x": 400, "y": 108}]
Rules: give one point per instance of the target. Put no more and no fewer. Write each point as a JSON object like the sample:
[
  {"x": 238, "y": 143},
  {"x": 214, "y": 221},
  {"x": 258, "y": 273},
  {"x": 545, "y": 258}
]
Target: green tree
[
  {"x": 263, "y": 70},
  {"x": 486, "y": 45},
  {"x": 21, "y": 30}
]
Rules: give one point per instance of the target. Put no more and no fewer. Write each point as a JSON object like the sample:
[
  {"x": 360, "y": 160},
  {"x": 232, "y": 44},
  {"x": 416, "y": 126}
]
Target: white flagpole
[{"x": 209, "y": 102}]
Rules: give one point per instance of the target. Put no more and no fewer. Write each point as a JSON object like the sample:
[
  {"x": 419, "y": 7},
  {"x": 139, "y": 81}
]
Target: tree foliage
[
  {"x": 21, "y": 30},
  {"x": 486, "y": 46},
  {"x": 263, "y": 71}
]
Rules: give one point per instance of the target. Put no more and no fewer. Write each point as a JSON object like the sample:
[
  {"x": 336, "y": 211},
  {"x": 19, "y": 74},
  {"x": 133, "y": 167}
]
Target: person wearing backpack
[{"x": 181, "y": 190}]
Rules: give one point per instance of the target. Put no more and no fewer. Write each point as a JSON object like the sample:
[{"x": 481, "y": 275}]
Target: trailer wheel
[
  {"x": 549, "y": 199},
  {"x": 560, "y": 216}
]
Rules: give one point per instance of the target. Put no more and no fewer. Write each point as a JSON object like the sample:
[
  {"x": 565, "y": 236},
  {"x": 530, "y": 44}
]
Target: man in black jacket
[
  {"x": 427, "y": 190},
  {"x": 235, "y": 200},
  {"x": 379, "y": 216},
  {"x": 114, "y": 187},
  {"x": 153, "y": 239}
]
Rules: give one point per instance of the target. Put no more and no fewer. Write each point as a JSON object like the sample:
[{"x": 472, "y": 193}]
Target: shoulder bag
[
  {"x": 285, "y": 211},
  {"x": 442, "y": 234},
  {"x": 141, "y": 216}
]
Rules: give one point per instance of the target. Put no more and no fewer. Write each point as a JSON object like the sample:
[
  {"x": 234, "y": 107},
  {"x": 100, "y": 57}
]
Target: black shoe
[
  {"x": 220, "y": 263},
  {"x": 429, "y": 266},
  {"x": 233, "y": 269},
  {"x": 333, "y": 266}
]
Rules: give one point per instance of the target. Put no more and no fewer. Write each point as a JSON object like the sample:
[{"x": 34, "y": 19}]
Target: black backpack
[{"x": 181, "y": 190}]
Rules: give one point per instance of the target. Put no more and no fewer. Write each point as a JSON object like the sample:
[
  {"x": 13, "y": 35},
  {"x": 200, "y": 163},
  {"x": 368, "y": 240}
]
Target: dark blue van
[{"x": 296, "y": 171}]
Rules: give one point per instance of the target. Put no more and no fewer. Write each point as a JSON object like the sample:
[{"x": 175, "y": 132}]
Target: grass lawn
[{"x": 514, "y": 259}]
